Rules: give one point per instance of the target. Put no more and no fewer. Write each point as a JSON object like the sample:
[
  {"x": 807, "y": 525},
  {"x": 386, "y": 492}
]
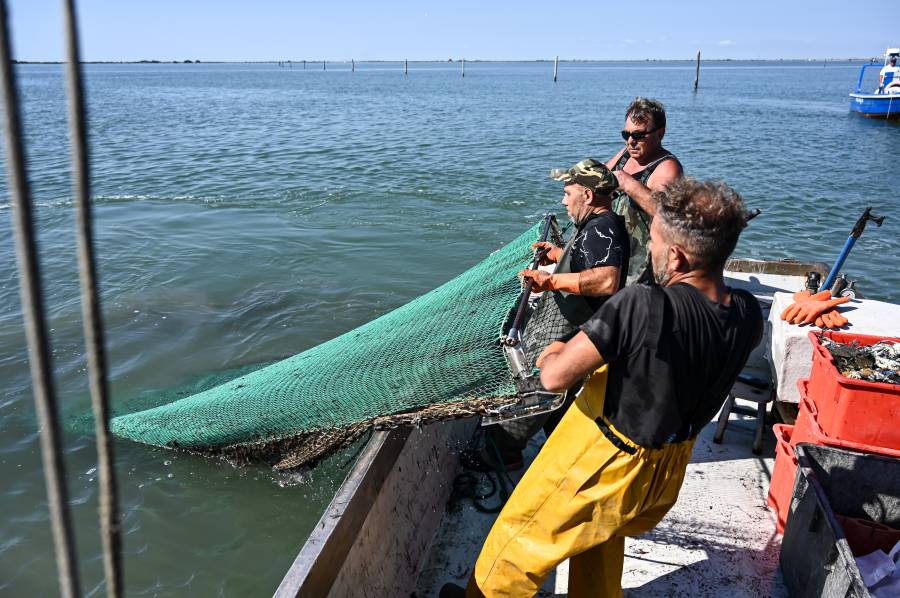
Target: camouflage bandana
[{"x": 590, "y": 173}]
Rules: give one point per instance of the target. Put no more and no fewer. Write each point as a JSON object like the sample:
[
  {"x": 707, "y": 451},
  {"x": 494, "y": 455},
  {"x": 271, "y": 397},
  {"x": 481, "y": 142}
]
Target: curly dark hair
[
  {"x": 704, "y": 218},
  {"x": 642, "y": 110}
]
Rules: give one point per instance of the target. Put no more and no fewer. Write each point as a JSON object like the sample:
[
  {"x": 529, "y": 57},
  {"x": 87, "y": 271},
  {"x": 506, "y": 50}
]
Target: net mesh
[
  {"x": 434, "y": 358},
  {"x": 546, "y": 324}
]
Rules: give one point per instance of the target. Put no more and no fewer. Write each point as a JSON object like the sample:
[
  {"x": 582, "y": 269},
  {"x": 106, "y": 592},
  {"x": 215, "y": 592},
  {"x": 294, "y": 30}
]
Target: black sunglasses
[{"x": 637, "y": 135}]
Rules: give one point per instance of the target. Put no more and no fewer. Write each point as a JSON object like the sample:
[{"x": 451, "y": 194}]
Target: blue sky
[{"x": 383, "y": 30}]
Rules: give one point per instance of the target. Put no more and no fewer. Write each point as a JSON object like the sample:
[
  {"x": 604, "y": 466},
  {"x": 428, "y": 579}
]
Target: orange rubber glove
[
  {"x": 806, "y": 312},
  {"x": 805, "y": 296},
  {"x": 831, "y": 319},
  {"x": 838, "y": 320},
  {"x": 554, "y": 253},
  {"x": 569, "y": 282},
  {"x": 542, "y": 280}
]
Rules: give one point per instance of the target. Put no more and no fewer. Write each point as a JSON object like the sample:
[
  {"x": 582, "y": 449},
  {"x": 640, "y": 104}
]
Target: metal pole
[
  {"x": 352, "y": 66},
  {"x": 405, "y": 68},
  {"x": 555, "y": 68},
  {"x": 512, "y": 337},
  {"x": 35, "y": 326},
  {"x": 697, "y": 76},
  {"x": 91, "y": 312},
  {"x": 464, "y": 68}
]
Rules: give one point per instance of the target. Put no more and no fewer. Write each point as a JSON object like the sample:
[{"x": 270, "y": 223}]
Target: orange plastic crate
[
  {"x": 781, "y": 486},
  {"x": 806, "y": 429},
  {"x": 853, "y": 410}
]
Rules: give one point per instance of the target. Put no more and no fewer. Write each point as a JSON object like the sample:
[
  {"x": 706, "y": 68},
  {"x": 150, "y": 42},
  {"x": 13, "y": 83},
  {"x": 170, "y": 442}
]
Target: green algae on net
[{"x": 435, "y": 358}]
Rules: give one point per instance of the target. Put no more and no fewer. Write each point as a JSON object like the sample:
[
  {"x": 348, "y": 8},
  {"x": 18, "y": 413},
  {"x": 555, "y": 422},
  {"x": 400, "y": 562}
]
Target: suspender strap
[
  {"x": 611, "y": 436},
  {"x": 574, "y": 308},
  {"x": 658, "y": 301}
]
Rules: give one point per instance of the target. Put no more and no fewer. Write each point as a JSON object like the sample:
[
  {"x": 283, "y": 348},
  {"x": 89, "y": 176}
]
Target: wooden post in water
[
  {"x": 304, "y": 65},
  {"x": 697, "y": 75},
  {"x": 405, "y": 67},
  {"x": 352, "y": 65},
  {"x": 464, "y": 68},
  {"x": 555, "y": 68},
  {"x": 323, "y": 65}
]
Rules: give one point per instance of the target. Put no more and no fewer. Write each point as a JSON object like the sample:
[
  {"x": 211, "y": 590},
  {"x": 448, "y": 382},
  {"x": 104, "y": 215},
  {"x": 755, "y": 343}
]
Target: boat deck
[{"x": 718, "y": 540}]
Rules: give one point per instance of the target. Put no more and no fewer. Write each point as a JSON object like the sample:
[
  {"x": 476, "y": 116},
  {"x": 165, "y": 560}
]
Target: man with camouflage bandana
[
  {"x": 642, "y": 167},
  {"x": 590, "y": 269},
  {"x": 594, "y": 263}
]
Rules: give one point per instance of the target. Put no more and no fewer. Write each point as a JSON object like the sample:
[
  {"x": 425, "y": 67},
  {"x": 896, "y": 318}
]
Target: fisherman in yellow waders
[{"x": 661, "y": 360}]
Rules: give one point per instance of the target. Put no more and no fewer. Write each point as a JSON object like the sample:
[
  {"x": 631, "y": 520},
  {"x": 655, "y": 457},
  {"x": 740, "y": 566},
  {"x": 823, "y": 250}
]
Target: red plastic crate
[
  {"x": 806, "y": 429},
  {"x": 854, "y": 410},
  {"x": 865, "y": 536},
  {"x": 806, "y": 426},
  {"x": 781, "y": 486}
]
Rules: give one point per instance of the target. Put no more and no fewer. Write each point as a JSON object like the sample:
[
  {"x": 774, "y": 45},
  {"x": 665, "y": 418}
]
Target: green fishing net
[{"x": 435, "y": 358}]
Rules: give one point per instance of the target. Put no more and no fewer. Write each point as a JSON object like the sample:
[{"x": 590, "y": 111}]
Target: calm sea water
[{"x": 247, "y": 212}]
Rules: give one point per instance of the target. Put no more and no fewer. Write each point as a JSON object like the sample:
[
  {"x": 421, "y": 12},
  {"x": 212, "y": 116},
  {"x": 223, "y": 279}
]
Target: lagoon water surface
[{"x": 245, "y": 213}]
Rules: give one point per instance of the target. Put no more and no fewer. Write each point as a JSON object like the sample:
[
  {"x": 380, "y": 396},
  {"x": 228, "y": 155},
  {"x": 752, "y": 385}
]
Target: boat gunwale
[{"x": 318, "y": 564}]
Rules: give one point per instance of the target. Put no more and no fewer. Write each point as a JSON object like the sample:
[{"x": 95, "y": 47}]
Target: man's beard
[
  {"x": 661, "y": 272},
  {"x": 575, "y": 220}
]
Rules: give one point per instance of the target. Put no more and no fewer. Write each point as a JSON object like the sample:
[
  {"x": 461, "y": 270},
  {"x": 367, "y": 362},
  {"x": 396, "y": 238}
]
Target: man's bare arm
[
  {"x": 601, "y": 281},
  {"x": 563, "y": 367},
  {"x": 664, "y": 174}
]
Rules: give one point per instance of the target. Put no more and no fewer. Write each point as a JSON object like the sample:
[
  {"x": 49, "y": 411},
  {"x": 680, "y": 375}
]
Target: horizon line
[{"x": 453, "y": 60}]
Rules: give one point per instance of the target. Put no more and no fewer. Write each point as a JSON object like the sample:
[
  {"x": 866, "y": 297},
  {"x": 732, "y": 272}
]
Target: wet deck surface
[{"x": 718, "y": 540}]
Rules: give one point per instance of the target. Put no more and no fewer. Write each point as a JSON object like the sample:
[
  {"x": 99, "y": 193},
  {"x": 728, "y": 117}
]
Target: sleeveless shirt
[{"x": 637, "y": 221}]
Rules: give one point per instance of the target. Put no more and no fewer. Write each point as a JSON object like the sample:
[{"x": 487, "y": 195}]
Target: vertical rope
[
  {"x": 90, "y": 308},
  {"x": 35, "y": 326}
]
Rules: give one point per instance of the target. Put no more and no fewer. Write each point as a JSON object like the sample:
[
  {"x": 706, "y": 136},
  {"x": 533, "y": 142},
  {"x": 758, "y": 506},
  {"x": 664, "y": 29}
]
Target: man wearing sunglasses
[{"x": 642, "y": 167}]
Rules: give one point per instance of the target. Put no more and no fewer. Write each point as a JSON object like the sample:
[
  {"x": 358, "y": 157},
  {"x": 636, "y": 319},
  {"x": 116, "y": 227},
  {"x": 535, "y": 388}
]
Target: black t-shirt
[
  {"x": 673, "y": 356},
  {"x": 601, "y": 241}
]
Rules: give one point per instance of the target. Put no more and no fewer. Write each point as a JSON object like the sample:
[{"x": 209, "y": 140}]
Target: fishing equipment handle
[
  {"x": 861, "y": 223},
  {"x": 512, "y": 337},
  {"x": 857, "y": 231}
]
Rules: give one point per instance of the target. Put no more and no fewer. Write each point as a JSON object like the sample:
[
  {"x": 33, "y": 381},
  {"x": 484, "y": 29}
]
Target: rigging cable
[
  {"x": 90, "y": 309},
  {"x": 35, "y": 324}
]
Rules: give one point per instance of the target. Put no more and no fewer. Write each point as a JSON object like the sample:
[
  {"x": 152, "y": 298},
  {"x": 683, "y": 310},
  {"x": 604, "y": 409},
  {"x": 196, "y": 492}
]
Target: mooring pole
[
  {"x": 463, "y": 67},
  {"x": 304, "y": 65},
  {"x": 555, "y": 68},
  {"x": 323, "y": 65},
  {"x": 352, "y": 65},
  {"x": 405, "y": 67},
  {"x": 697, "y": 75}
]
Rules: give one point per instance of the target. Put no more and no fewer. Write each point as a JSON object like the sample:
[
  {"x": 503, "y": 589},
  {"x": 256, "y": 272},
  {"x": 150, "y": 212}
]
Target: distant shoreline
[{"x": 469, "y": 60}]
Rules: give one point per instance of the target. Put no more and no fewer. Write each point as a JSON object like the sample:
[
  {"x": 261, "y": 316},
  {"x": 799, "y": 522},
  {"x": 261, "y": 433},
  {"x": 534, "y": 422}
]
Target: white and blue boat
[{"x": 884, "y": 102}]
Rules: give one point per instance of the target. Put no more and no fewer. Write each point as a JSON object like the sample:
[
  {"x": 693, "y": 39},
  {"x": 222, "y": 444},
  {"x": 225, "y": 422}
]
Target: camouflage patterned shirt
[{"x": 637, "y": 221}]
